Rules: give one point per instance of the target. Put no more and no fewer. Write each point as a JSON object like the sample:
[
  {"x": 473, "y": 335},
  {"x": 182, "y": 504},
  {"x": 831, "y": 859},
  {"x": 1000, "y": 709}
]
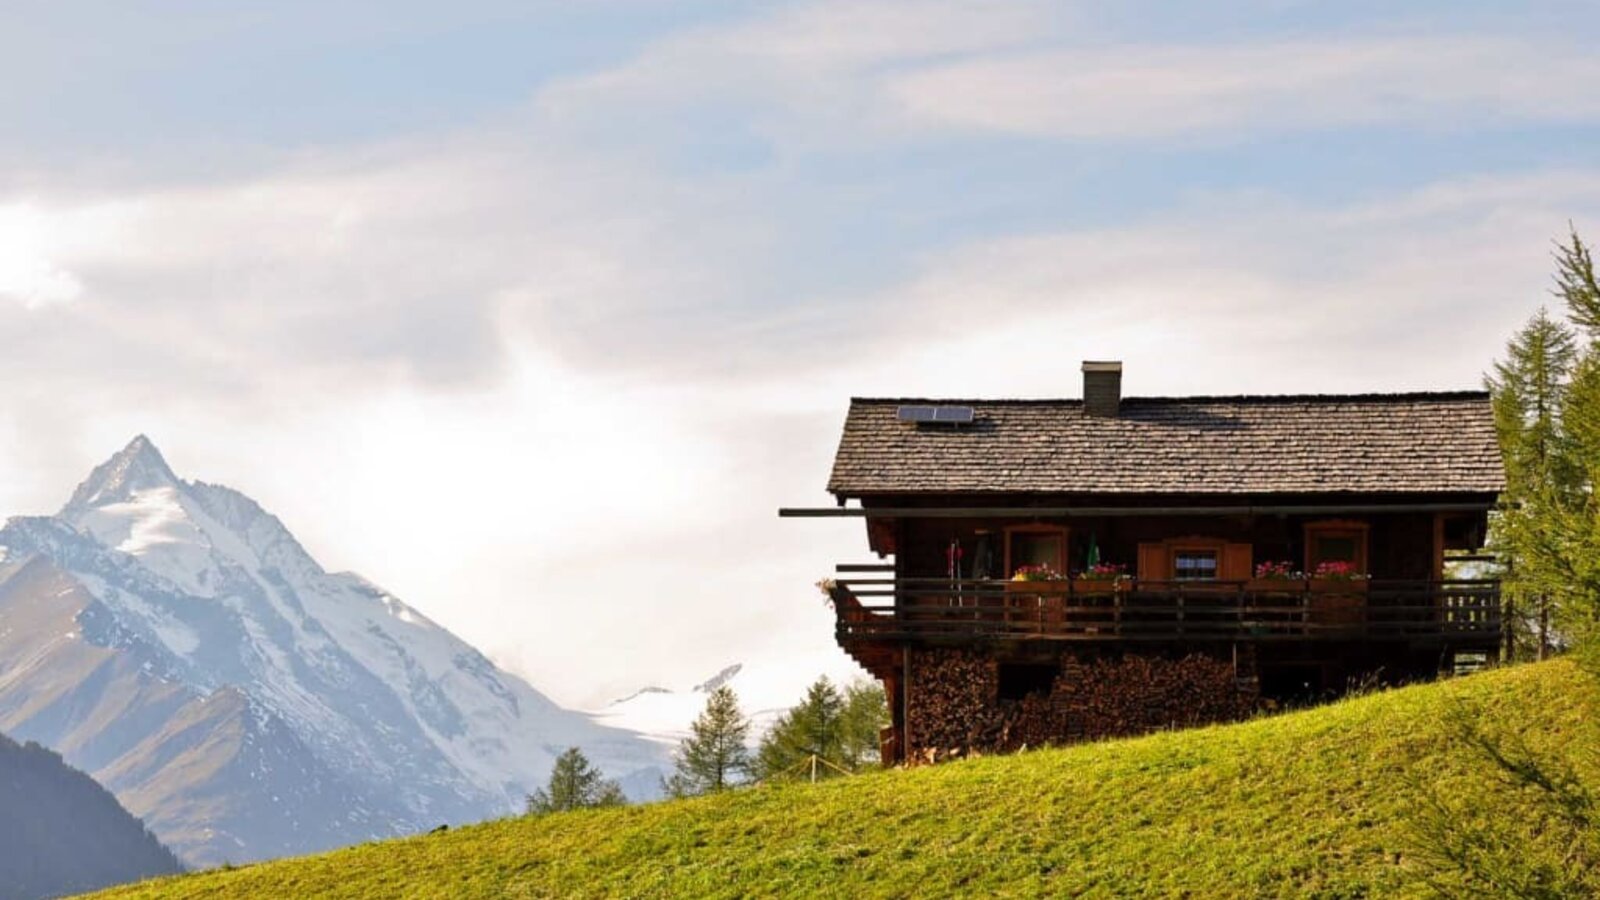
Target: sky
[{"x": 535, "y": 313}]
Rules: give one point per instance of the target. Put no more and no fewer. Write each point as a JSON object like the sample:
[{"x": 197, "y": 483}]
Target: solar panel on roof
[
  {"x": 944, "y": 415},
  {"x": 960, "y": 415}
]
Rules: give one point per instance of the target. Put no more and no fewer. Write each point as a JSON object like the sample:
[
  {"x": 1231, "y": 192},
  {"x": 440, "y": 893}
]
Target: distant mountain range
[
  {"x": 62, "y": 833},
  {"x": 664, "y": 715},
  {"x": 175, "y": 640}
]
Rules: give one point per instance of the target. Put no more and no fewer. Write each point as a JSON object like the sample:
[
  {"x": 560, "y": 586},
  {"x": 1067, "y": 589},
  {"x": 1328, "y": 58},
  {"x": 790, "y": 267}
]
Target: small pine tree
[
  {"x": 839, "y": 730},
  {"x": 574, "y": 784},
  {"x": 866, "y": 712},
  {"x": 809, "y": 729},
  {"x": 714, "y": 756}
]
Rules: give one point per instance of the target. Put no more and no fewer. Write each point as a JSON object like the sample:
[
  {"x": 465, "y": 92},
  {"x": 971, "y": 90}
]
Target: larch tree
[
  {"x": 1546, "y": 397},
  {"x": 826, "y": 734},
  {"x": 714, "y": 757},
  {"x": 1576, "y": 285},
  {"x": 810, "y": 730},
  {"x": 574, "y": 784},
  {"x": 1528, "y": 390}
]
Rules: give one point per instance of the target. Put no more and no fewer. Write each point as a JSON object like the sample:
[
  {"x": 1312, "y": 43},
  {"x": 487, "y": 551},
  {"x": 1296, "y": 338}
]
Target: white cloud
[
  {"x": 28, "y": 275},
  {"x": 570, "y": 506},
  {"x": 807, "y": 74},
  {"x": 1134, "y": 91}
]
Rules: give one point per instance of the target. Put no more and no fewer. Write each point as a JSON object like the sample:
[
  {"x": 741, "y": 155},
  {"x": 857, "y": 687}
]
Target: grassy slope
[{"x": 1306, "y": 803}]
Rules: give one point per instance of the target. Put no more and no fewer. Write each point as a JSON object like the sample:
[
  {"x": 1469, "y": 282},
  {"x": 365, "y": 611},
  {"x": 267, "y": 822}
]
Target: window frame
[
  {"x": 1337, "y": 528},
  {"x": 1217, "y": 547},
  {"x": 1058, "y": 531}
]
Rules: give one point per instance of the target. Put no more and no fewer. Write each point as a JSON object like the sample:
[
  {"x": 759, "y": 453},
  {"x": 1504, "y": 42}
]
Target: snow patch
[
  {"x": 370, "y": 685},
  {"x": 154, "y": 526},
  {"x": 172, "y": 632}
]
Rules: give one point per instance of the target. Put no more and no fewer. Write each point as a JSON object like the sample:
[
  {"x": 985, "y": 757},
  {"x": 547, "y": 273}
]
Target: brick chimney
[{"x": 1102, "y": 388}]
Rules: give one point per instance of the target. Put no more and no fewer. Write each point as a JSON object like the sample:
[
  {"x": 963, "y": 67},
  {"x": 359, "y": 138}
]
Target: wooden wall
[{"x": 1400, "y": 545}]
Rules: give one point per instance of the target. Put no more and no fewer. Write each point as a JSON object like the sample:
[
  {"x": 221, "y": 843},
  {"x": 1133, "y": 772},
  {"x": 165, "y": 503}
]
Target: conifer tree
[
  {"x": 810, "y": 729},
  {"x": 714, "y": 756},
  {"x": 574, "y": 784},
  {"x": 1528, "y": 391},
  {"x": 1576, "y": 286},
  {"x": 866, "y": 712},
  {"x": 1546, "y": 398},
  {"x": 839, "y": 730}
]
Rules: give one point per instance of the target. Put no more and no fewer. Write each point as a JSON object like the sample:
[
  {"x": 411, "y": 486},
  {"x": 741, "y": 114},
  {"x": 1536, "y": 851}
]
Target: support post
[{"x": 905, "y": 704}]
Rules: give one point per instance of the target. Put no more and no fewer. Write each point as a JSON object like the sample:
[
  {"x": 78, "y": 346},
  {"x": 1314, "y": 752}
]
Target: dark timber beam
[{"x": 1064, "y": 512}]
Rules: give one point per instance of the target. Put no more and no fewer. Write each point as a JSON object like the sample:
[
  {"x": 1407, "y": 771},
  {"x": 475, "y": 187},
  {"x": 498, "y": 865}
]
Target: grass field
[{"x": 1312, "y": 803}]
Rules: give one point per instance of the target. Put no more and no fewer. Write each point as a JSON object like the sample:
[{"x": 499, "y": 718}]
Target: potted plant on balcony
[
  {"x": 1098, "y": 586},
  {"x": 1102, "y": 578},
  {"x": 1035, "y": 592},
  {"x": 1279, "y": 576}
]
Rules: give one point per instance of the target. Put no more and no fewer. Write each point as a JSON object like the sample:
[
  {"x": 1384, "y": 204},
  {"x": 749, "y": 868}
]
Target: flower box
[{"x": 1337, "y": 601}]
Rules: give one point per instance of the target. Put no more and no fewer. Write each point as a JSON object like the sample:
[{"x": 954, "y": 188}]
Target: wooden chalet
[{"x": 1065, "y": 569}]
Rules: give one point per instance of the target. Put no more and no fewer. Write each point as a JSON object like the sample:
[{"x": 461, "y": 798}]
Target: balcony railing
[{"x": 1459, "y": 611}]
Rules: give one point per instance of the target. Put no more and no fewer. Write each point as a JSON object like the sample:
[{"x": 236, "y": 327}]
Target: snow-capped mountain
[
  {"x": 175, "y": 640},
  {"x": 664, "y": 715}
]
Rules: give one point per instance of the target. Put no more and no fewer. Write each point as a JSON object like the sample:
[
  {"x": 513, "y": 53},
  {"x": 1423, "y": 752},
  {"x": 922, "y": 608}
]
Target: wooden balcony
[{"x": 1459, "y": 613}]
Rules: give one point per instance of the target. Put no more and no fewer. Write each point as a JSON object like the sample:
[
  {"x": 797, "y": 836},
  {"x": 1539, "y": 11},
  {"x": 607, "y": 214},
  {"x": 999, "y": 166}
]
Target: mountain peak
[
  {"x": 138, "y": 466},
  {"x": 719, "y": 679}
]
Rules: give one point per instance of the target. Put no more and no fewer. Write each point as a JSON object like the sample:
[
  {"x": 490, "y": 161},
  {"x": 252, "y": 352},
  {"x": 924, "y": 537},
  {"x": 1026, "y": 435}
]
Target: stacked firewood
[
  {"x": 1030, "y": 722},
  {"x": 952, "y": 700},
  {"x": 956, "y": 713},
  {"x": 1136, "y": 694}
]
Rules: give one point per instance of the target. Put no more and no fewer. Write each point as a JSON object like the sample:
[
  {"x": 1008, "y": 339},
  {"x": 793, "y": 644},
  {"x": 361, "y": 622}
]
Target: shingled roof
[{"x": 1308, "y": 444}]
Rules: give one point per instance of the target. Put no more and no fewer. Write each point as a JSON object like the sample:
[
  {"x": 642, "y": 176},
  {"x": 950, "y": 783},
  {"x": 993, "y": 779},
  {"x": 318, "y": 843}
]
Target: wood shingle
[{"x": 1305, "y": 444}]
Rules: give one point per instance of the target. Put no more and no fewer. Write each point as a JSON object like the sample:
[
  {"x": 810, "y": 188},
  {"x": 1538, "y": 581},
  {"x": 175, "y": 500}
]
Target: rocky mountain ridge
[{"x": 176, "y": 640}]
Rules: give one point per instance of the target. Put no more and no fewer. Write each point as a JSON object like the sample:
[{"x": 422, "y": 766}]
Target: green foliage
[
  {"x": 574, "y": 784},
  {"x": 1543, "y": 836},
  {"x": 839, "y": 730},
  {"x": 1576, "y": 285},
  {"x": 866, "y": 712},
  {"x": 1527, "y": 389},
  {"x": 714, "y": 756},
  {"x": 1306, "y": 804},
  {"x": 1546, "y": 396}
]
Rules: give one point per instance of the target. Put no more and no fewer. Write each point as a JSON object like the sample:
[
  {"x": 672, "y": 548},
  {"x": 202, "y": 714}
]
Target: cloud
[
  {"x": 1151, "y": 92},
  {"x": 803, "y": 78},
  {"x": 28, "y": 276}
]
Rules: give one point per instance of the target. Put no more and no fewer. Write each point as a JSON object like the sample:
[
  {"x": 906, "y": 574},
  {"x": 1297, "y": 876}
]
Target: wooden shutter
[
  {"x": 1236, "y": 563},
  {"x": 1153, "y": 561}
]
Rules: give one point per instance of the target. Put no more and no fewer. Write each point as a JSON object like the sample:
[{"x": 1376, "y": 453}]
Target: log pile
[
  {"x": 955, "y": 710},
  {"x": 1103, "y": 698},
  {"x": 1032, "y": 722},
  {"x": 952, "y": 703}
]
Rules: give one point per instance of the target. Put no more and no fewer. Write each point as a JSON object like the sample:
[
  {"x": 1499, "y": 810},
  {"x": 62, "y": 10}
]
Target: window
[
  {"x": 1036, "y": 546},
  {"x": 1194, "y": 565},
  {"x": 1336, "y": 542},
  {"x": 1333, "y": 548},
  {"x": 1194, "y": 557}
]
